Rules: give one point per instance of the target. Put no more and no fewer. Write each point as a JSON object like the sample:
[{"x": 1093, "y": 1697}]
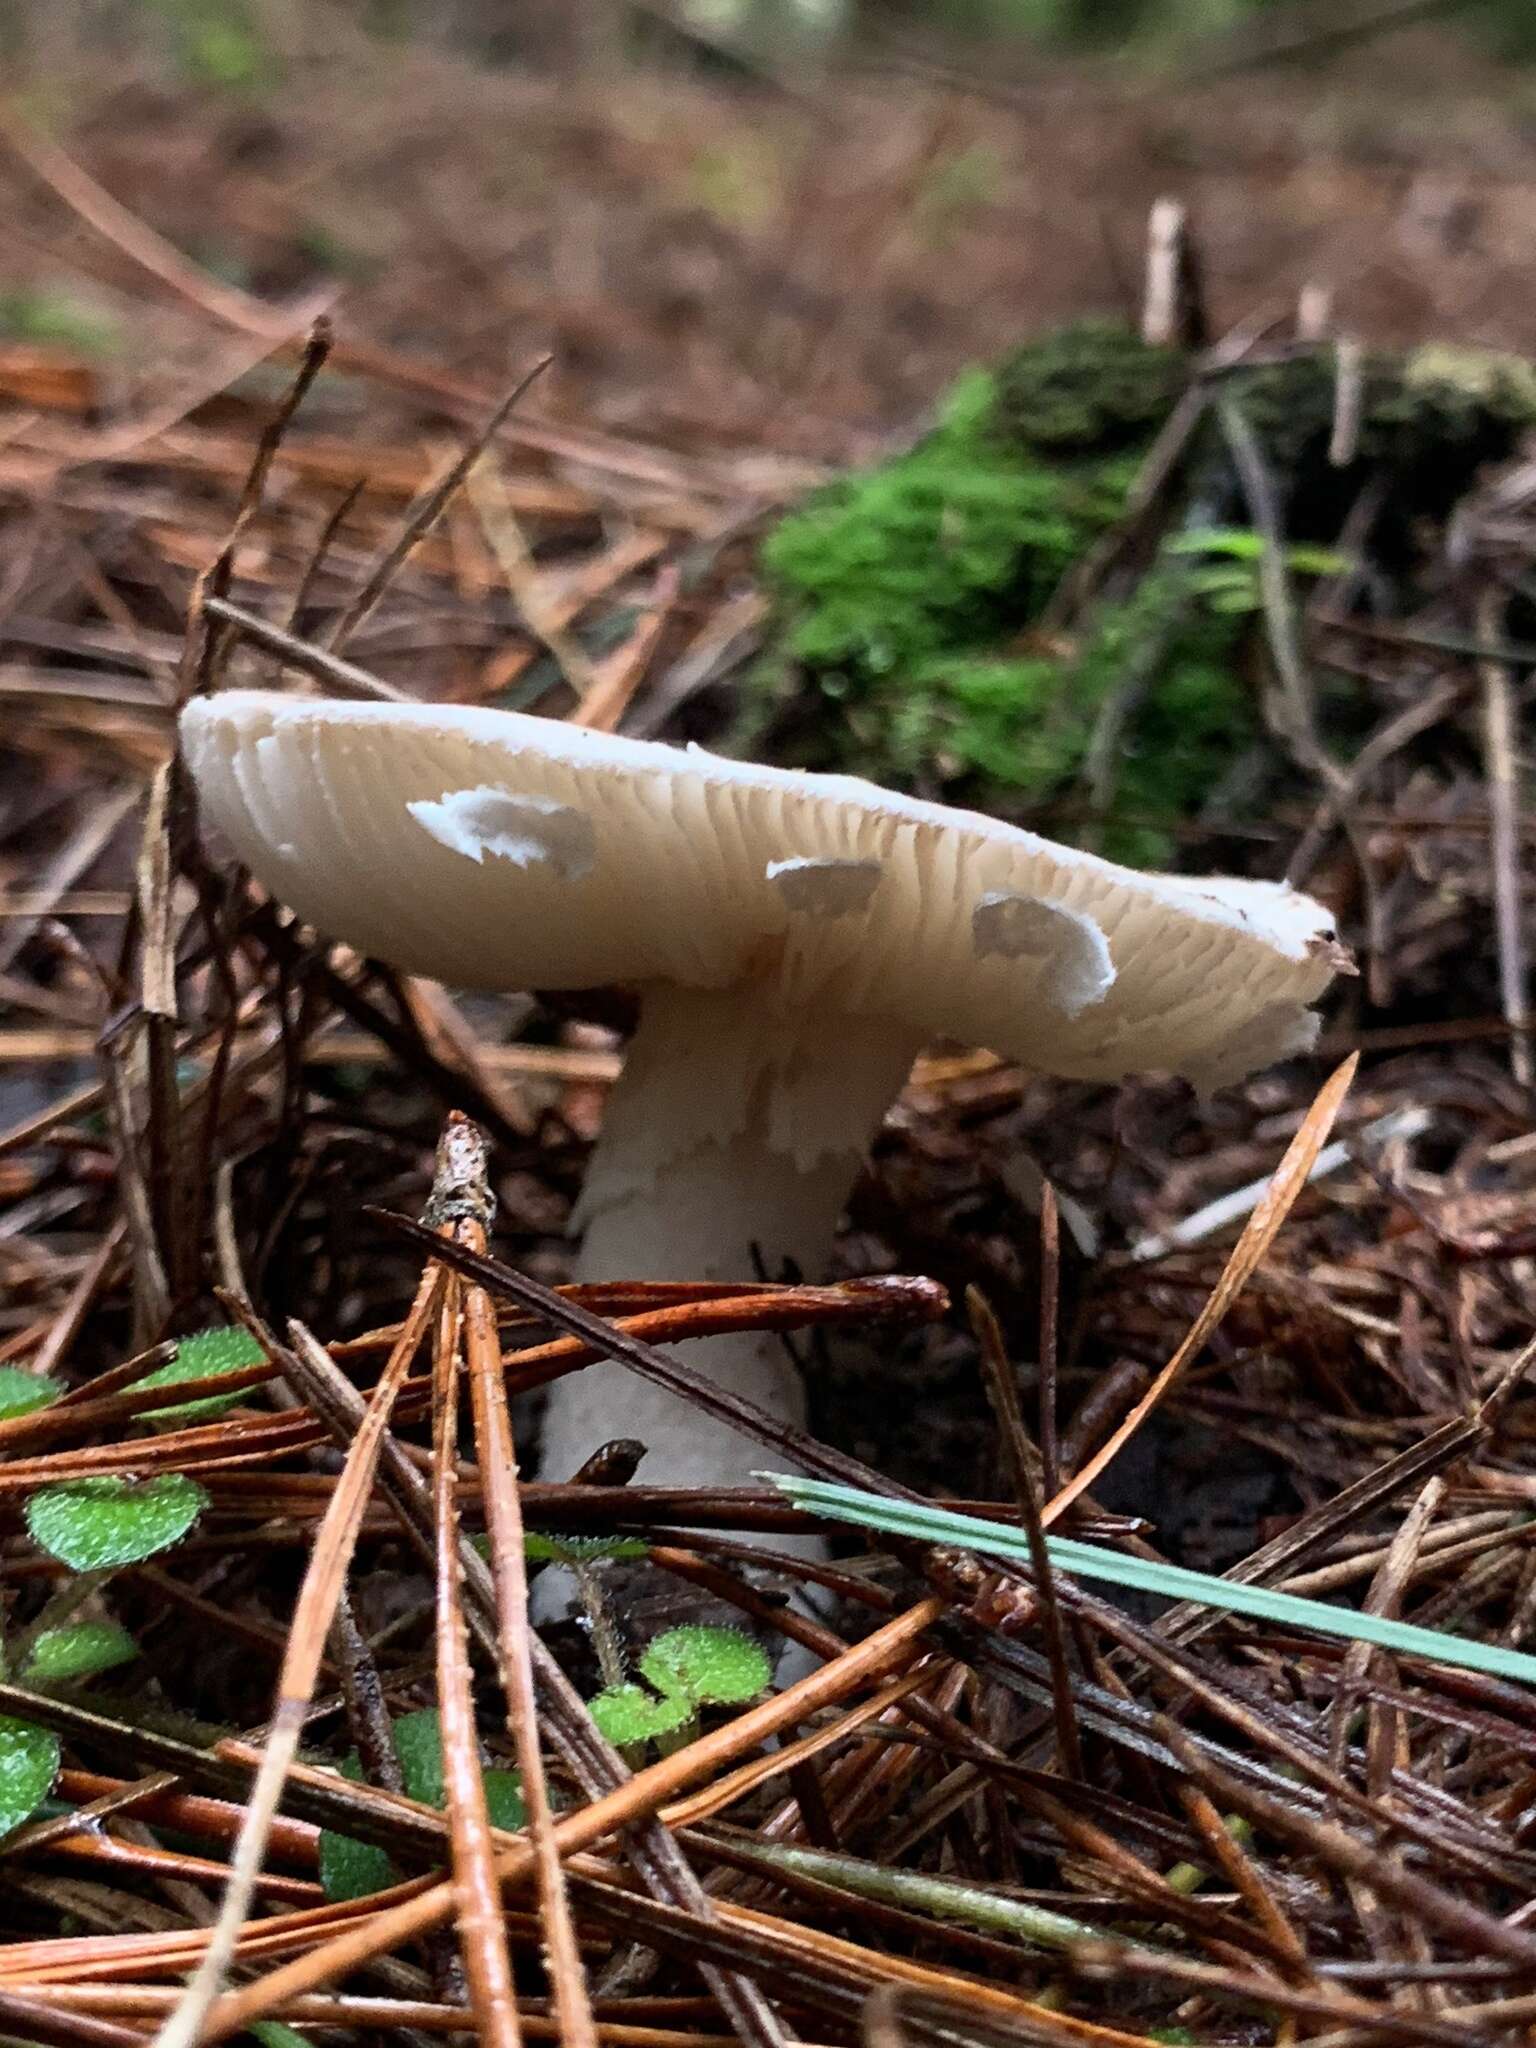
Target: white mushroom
[{"x": 795, "y": 940}]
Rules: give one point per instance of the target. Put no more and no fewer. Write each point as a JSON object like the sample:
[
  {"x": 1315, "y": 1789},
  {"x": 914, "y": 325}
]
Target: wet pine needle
[{"x": 994, "y": 1808}]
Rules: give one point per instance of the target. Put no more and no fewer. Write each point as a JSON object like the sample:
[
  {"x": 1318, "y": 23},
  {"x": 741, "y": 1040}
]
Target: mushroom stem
[{"x": 729, "y": 1147}]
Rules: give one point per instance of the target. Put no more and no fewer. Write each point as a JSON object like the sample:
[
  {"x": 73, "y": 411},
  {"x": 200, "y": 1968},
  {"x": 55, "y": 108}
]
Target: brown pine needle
[
  {"x": 80, "y": 192},
  {"x": 1023, "y": 1459},
  {"x": 482, "y": 1932},
  {"x": 1259, "y": 1234},
  {"x": 496, "y": 1451},
  {"x": 323, "y": 1581},
  {"x": 424, "y": 515},
  {"x": 643, "y": 1794}
]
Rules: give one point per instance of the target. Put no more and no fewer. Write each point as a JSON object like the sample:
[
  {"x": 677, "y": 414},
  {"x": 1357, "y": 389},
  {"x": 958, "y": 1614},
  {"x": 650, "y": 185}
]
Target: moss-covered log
[{"x": 909, "y": 600}]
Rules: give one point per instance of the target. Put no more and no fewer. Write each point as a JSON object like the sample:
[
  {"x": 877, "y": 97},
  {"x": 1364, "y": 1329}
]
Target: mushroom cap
[{"x": 490, "y": 849}]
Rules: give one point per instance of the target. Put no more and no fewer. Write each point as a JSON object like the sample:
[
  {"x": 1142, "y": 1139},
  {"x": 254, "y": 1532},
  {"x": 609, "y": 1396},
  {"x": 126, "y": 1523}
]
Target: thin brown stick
[
  {"x": 1383, "y": 1597},
  {"x": 1004, "y": 1394},
  {"x": 496, "y": 1451},
  {"x": 424, "y": 515},
  {"x": 482, "y": 1932},
  {"x": 1501, "y": 770},
  {"x": 1246, "y": 1877},
  {"x": 204, "y": 649},
  {"x": 30, "y": 2020},
  {"x": 344, "y": 677},
  {"x": 334, "y": 1543},
  {"x": 1050, "y": 1334}
]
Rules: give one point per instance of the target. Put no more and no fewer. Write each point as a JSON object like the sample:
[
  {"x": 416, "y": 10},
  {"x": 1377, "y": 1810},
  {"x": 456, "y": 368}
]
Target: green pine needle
[{"x": 1144, "y": 1575}]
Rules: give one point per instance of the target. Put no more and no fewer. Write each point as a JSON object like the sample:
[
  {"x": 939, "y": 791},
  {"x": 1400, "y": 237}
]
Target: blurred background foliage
[
  {"x": 1149, "y": 24},
  {"x": 240, "y": 44}
]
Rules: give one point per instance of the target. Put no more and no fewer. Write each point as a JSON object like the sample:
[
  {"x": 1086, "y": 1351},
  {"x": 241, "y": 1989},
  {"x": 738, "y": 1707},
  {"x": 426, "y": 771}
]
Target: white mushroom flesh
[
  {"x": 795, "y": 939},
  {"x": 494, "y": 850}
]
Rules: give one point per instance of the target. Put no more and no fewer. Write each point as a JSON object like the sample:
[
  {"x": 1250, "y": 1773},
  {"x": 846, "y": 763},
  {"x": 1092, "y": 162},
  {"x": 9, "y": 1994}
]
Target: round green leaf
[
  {"x": 504, "y": 1798},
  {"x": 353, "y": 1870},
  {"x": 29, "y": 1763},
  {"x": 99, "y": 1523},
  {"x": 350, "y": 1869},
  {"x": 419, "y": 1746},
  {"x": 79, "y": 1651},
  {"x": 201, "y": 1357},
  {"x": 628, "y": 1713},
  {"x": 21, "y": 1393},
  {"x": 720, "y": 1666}
]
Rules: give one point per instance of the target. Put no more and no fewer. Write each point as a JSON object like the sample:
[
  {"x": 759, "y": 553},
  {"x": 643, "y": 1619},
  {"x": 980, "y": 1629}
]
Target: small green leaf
[
  {"x": 419, "y": 1746},
  {"x": 99, "y": 1523},
  {"x": 504, "y": 1798},
  {"x": 1237, "y": 544},
  {"x": 79, "y": 1651},
  {"x": 628, "y": 1713},
  {"x": 1311, "y": 561},
  {"x": 539, "y": 1548},
  {"x": 29, "y": 1763},
  {"x": 202, "y": 1357},
  {"x": 21, "y": 1393},
  {"x": 350, "y": 1869},
  {"x": 717, "y": 1666},
  {"x": 354, "y": 1870}
]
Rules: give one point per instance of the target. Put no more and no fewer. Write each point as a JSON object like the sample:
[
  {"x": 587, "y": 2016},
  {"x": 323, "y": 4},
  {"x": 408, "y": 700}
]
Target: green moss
[
  {"x": 908, "y": 600},
  {"x": 900, "y": 590},
  {"x": 971, "y": 531},
  {"x": 885, "y": 570},
  {"x": 1428, "y": 422},
  {"x": 964, "y": 538},
  {"x": 1089, "y": 388},
  {"x": 1008, "y": 732}
]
